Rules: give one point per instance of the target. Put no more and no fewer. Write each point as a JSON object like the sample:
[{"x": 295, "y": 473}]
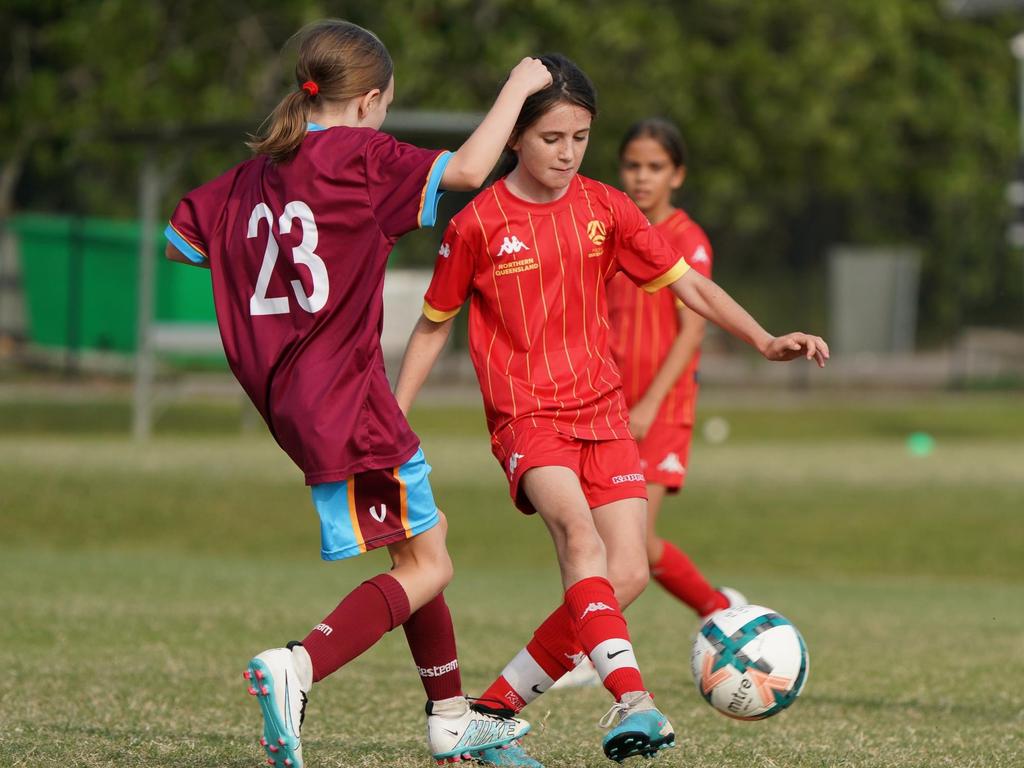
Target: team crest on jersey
[
  {"x": 596, "y": 231},
  {"x": 511, "y": 246}
]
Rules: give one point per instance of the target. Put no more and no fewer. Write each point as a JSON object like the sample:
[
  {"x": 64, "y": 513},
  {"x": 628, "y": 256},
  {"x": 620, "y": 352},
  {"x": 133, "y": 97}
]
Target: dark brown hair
[
  {"x": 569, "y": 85},
  {"x": 663, "y": 131},
  {"x": 344, "y": 61}
]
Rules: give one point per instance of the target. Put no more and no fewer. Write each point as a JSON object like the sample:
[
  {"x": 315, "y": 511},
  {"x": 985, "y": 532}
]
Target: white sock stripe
[
  {"x": 523, "y": 673},
  {"x": 612, "y": 655}
]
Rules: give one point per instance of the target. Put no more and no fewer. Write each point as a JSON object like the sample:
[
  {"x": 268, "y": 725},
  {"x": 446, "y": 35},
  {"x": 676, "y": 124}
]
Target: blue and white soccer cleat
[
  {"x": 510, "y": 756},
  {"x": 274, "y": 681},
  {"x": 641, "y": 728},
  {"x": 457, "y": 732}
]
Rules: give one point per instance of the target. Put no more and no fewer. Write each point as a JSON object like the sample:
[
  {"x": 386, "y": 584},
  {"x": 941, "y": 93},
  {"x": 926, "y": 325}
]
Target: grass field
[{"x": 135, "y": 582}]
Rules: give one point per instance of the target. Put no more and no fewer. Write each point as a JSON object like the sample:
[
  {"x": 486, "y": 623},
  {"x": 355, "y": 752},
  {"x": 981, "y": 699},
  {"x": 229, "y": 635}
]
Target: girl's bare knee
[{"x": 629, "y": 581}]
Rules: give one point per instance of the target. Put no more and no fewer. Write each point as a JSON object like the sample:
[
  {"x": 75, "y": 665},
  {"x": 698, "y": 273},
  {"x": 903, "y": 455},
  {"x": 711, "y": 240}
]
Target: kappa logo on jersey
[
  {"x": 444, "y": 251},
  {"x": 512, "y": 245},
  {"x": 594, "y": 608},
  {"x": 513, "y": 462},
  {"x": 383, "y": 513},
  {"x": 597, "y": 231},
  {"x": 671, "y": 463},
  {"x": 633, "y": 477},
  {"x": 700, "y": 256}
]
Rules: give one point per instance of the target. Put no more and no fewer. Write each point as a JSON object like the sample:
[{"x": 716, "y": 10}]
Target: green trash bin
[{"x": 80, "y": 277}]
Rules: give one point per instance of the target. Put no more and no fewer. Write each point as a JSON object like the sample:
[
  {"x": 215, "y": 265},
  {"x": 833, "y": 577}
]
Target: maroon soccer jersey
[
  {"x": 538, "y": 324},
  {"x": 645, "y": 325},
  {"x": 297, "y": 251}
]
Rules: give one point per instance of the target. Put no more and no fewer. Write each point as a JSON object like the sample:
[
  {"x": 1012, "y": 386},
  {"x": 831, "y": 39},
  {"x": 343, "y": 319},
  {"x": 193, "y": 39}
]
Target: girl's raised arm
[
  {"x": 476, "y": 158},
  {"x": 708, "y": 300}
]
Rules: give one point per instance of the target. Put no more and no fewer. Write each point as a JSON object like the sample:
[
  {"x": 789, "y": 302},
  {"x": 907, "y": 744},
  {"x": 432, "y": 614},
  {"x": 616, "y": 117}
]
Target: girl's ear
[
  {"x": 678, "y": 177},
  {"x": 367, "y": 102}
]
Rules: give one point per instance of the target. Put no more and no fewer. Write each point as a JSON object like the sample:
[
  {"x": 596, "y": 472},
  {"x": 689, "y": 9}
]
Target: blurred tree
[{"x": 868, "y": 121}]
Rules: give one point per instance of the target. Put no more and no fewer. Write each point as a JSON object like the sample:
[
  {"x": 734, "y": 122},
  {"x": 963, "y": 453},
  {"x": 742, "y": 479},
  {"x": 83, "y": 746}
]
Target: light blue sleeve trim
[
  {"x": 182, "y": 245},
  {"x": 428, "y": 217}
]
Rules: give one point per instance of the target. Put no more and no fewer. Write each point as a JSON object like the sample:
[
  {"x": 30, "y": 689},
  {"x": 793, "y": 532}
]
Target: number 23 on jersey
[{"x": 304, "y": 253}]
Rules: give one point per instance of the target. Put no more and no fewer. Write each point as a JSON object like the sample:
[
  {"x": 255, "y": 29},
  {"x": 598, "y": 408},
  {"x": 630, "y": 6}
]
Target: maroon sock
[
  {"x": 431, "y": 639},
  {"x": 677, "y": 574},
  {"x": 360, "y": 620}
]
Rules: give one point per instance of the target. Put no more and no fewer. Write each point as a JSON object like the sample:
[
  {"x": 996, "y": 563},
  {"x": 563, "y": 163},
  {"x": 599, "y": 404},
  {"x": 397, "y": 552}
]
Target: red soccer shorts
[
  {"x": 609, "y": 470},
  {"x": 664, "y": 454}
]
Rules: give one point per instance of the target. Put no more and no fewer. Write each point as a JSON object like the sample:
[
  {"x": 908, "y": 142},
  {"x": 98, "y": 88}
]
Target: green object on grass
[{"x": 920, "y": 444}]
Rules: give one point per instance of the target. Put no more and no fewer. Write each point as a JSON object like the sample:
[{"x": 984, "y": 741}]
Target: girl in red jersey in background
[
  {"x": 297, "y": 239},
  {"x": 534, "y": 252},
  {"x": 655, "y": 340}
]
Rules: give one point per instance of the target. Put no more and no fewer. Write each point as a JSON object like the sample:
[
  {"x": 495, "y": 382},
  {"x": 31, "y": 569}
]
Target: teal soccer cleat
[
  {"x": 274, "y": 681},
  {"x": 641, "y": 728},
  {"x": 509, "y": 756}
]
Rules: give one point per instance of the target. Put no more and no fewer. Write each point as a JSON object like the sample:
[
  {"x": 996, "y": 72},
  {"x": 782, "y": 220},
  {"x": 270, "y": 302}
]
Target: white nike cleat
[
  {"x": 274, "y": 681},
  {"x": 583, "y": 675},
  {"x": 457, "y": 732}
]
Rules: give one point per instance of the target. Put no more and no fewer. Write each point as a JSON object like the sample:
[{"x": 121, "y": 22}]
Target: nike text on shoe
[
  {"x": 274, "y": 682},
  {"x": 509, "y": 756},
  {"x": 458, "y": 732},
  {"x": 641, "y": 728}
]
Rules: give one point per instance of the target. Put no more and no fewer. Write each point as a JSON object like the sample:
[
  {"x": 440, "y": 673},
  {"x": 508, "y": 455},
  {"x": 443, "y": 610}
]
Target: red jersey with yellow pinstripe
[
  {"x": 644, "y": 325},
  {"x": 538, "y": 325}
]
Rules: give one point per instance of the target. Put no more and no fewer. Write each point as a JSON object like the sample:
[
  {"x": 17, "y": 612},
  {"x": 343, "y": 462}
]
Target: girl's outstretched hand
[
  {"x": 531, "y": 75},
  {"x": 794, "y": 345}
]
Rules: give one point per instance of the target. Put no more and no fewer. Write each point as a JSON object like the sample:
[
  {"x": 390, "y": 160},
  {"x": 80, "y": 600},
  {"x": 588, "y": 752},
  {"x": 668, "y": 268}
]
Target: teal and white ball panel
[{"x": 749, "y": 662}]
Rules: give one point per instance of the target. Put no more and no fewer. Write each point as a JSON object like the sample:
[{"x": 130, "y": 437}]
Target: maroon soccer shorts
[{"x": 375, "y": 508}]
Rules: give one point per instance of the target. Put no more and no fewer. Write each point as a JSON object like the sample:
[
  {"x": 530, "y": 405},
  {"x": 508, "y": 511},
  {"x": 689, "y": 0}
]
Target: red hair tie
[{"x": 311, "y": 88}]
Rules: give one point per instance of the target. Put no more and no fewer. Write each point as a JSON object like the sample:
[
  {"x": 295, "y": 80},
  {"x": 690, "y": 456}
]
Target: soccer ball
[{"x": 749, "y": 662}]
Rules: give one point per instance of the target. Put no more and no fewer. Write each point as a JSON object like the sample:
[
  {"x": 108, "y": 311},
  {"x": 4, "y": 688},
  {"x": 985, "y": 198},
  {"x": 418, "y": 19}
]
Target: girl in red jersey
[
  {"x": 656, "y": 343},
  {"x": 534, "y": 252},
  {"x": 297, "y": 239}
]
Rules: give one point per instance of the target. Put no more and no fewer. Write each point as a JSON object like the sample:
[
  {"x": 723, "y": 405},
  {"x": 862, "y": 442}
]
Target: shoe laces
[
  {"x": 487, "y": 708},
  {"x": 622, "y": 709}
]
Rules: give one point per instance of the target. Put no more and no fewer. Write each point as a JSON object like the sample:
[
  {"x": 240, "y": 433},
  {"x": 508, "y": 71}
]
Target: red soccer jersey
[
  {"x": 538, "y": 325},
  {"x": 297, "y": 252},
  {"x": 644, "y": 325}
]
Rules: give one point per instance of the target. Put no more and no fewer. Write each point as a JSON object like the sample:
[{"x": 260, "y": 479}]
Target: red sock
[
  {"x": 677, "y": 573},
  {"x": 360, "y": 620},
  {"x": 602, "y": 631},
  {"x": 431, "y": 639},
  {"x": 551, "y": 653}
]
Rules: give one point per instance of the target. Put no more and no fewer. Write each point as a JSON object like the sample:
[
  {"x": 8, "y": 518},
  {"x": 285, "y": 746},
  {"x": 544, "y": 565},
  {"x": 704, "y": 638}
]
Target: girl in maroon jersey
[
  {"x": 656, "y": 344},
  {"x": 297, "y": 239},
  {"x": 534, "y": 251}
]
